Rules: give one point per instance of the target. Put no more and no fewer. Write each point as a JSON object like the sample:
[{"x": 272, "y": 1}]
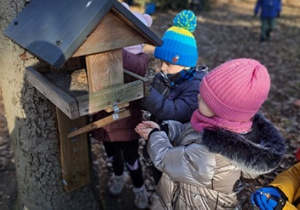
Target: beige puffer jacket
[{"x": 203, "y": 170}]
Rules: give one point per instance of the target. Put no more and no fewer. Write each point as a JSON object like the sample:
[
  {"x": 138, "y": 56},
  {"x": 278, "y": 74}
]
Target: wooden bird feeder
[{"x": 80, "y": 45}]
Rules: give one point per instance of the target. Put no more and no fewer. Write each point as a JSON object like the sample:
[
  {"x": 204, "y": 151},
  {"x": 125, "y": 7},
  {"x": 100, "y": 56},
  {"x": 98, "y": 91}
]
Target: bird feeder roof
[{"x": 54, "y": 30}]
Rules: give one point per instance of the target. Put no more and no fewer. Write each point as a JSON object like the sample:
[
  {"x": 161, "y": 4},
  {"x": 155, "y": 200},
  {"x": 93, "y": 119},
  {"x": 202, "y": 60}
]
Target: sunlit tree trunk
[{"x": 32, "y": 125}]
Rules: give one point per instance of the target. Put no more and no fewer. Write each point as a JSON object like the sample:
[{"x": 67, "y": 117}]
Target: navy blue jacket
[
  {"x": 269, "y": 8},
  {"x": 173, "y": 103}
]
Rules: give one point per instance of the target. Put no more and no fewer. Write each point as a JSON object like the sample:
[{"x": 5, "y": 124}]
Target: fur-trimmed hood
[{"x": 255, "y": 158}]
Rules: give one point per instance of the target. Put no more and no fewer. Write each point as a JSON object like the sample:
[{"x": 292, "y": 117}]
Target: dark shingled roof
[{"x": 54, "y": 30}]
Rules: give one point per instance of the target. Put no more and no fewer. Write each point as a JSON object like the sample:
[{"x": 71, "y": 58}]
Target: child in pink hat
[{"x": 204, "y": 161}]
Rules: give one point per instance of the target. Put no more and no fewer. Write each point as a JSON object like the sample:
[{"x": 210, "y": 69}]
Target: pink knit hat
[{"x": 236, "y": 89}]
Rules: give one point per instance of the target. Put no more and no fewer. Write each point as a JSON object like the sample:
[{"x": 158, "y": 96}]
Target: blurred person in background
[{"x": 269, "y": 11}]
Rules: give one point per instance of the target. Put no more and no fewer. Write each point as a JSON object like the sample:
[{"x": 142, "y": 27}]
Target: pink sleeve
[{"x": 135, "y": 63}]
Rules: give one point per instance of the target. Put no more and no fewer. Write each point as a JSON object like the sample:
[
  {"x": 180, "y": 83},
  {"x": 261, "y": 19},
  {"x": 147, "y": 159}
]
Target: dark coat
[
  {"x": 123, "y": 130},
  {"x": 269, "y": 8},
  {"x": 173, "y": 103}
]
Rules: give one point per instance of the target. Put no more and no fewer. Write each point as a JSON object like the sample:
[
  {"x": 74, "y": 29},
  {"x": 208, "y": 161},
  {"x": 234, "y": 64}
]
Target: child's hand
[
  {"x": 144, "y": 128},
  {"x": 151, "y": 124},
  {"x": 268, "y": 198}
]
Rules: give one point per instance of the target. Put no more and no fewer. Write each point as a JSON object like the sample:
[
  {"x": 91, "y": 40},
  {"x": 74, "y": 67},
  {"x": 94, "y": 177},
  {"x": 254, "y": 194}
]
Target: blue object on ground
[{"x": 150, "y": 8}]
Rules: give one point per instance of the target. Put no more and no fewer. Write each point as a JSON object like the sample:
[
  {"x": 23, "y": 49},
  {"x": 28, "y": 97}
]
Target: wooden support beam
[
  {"x": 120, "y": 106},
  {"x": 103, "y": 99},
  {"x": 100, "y": 123},
  {"x": 130, "y": 77},
  {"x": 71, "y": 96},
  {"x": 58, "y": 97},
  {"x": 74, "y": 153},
  {"x": 104, "y": 70}
]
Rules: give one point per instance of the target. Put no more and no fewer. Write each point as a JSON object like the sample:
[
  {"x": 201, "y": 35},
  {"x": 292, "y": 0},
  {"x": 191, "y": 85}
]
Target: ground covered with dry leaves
[{"x": 227, "y": 31}]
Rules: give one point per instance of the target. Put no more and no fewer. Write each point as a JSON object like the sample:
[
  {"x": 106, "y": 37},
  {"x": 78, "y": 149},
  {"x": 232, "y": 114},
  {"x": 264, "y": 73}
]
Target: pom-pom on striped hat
[{"x": 179, "y": 45}]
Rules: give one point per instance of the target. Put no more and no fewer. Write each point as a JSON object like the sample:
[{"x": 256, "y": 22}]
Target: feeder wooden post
[
  {"x": 74, "y": 153},
  {"x": 104, "y": 70}
]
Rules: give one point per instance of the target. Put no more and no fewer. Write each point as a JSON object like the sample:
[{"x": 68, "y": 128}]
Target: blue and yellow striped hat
[{"x": 179, "y": 45}]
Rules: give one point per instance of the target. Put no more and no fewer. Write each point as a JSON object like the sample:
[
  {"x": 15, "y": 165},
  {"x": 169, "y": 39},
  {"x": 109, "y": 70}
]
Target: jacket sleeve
[
  {"x": 289, "y": 182},
  {"x": 279, "y": 6},
  {"x": 191, "y": 164},
  {"x": 137, "y": 64},
  {"x": 179, "y": 109},
  {"x": 257, "y": 6},
  {"x": 175, "y": 128}
]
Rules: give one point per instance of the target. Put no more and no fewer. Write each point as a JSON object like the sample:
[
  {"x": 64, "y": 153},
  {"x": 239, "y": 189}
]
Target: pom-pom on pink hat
[
  {"x": 144, "y": 18},
  {"x": 236, "y": 89}
]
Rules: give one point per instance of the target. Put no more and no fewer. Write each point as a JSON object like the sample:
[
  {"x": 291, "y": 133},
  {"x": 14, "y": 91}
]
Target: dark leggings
[{"x": 128, "y": 151}]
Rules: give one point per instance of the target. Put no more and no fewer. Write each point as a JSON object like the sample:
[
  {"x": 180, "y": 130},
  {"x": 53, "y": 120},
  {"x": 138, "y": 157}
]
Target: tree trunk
[{"x": 32, "y": 125}]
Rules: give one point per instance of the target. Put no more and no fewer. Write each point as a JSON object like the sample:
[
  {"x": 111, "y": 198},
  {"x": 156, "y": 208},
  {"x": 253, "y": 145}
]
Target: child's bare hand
[
  {"x": 150, "y": 124},
  {"x": 144, "y": 128}
]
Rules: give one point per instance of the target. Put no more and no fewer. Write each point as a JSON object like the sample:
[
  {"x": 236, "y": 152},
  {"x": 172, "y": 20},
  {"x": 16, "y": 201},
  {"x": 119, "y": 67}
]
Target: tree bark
[{"x": 32, "y": 126}]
